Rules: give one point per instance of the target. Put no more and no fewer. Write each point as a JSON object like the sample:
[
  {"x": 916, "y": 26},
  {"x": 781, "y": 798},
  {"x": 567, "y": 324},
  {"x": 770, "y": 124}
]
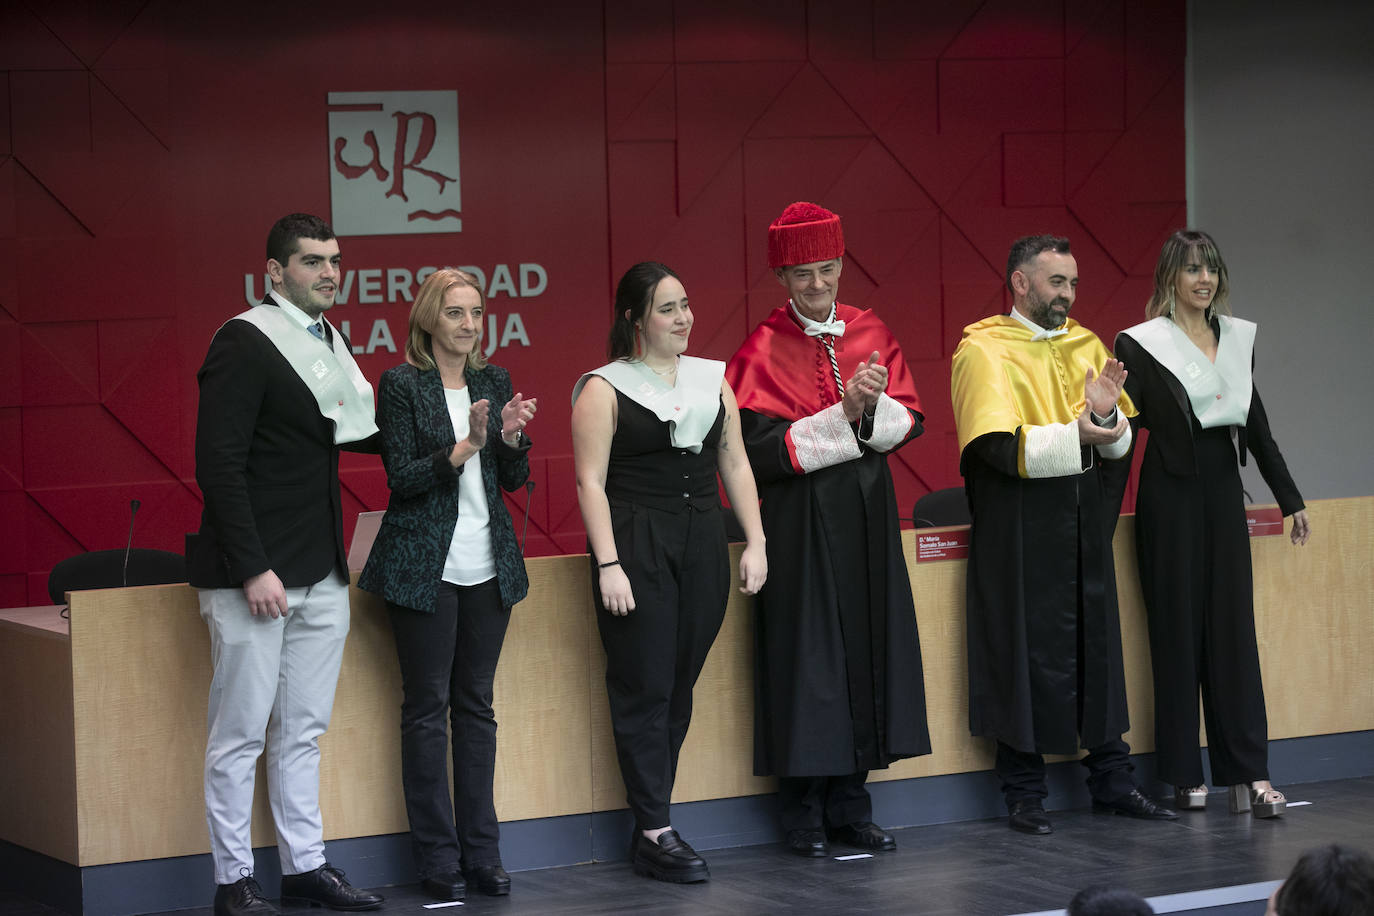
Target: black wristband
[{"x": 607, "y": 565}]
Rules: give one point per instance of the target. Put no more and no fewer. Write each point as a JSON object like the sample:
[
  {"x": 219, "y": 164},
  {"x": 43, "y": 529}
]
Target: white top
[{"x": 470, "y": 560}]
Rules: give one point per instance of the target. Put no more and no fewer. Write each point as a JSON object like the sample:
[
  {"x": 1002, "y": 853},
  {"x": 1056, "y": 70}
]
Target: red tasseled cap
[{"x": 804, "y": 234}]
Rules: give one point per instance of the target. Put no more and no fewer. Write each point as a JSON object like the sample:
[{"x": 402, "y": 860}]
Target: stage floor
[{"x": 1217, "y": 862}]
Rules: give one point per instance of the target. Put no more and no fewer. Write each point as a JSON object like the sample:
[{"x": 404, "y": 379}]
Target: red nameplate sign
[
  {"x": 1264, "y": 522},
  {"x": 943, "y": 545}
]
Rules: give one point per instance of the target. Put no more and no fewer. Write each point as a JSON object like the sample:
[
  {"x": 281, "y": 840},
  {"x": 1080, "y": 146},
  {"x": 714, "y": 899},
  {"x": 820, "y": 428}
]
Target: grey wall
[{"x": 1281, "y": 171}]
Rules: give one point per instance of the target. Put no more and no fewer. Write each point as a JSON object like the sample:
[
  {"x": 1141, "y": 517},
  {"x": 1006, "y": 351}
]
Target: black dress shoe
[
  {"x": 670, "y": 859},
  {"x": 809, "y": 843},
  {"x": 445, "y": 885},
  {"x": 242, "y": 898},
  {"x": 1135, "y": 804},
  {"x": 326, "y": 886},
  {"x": 491, "y": 880},
  {"x": 864, "y": 835},
  {"x": 1028, "y": 816}
]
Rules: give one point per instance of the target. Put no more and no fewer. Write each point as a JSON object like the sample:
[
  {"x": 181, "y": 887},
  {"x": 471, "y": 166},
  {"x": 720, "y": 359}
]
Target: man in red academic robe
[{"x": 824, "y": 397}]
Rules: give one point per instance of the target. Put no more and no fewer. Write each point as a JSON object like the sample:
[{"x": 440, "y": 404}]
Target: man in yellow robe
[{"x": 1043, "y": 430}]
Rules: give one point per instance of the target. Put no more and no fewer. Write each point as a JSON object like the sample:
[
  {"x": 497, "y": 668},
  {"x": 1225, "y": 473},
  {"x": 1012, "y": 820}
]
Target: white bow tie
[
  {"x": 832, "y": 326},
  {"x": 821, "y": 328},
  {"x": 1043, "y": 334}
]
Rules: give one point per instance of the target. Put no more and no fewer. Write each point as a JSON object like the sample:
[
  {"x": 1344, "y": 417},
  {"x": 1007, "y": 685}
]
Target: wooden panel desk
[{"x": 102, "y": 725}]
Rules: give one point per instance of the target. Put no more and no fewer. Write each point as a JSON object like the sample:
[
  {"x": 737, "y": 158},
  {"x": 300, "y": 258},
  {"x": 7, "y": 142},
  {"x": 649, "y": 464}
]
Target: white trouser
[{"x": 273, "y": 678}]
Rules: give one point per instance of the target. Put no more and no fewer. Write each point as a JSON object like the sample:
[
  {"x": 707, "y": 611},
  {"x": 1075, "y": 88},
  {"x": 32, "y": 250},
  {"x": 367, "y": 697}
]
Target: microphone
[
  {"x": 128, "y": 548},
  {"x": 529, "y": 492}
]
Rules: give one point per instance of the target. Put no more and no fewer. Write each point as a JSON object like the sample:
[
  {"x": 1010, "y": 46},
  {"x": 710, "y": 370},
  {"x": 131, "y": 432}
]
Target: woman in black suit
[
  {"x": 1189, "y": 376},
  {"x": 449, "y": 566}
]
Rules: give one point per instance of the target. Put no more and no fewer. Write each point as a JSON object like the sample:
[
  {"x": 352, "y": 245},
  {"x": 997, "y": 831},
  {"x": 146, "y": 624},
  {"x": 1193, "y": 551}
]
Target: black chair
[
  {"x": 940, "y": 508},
  {"x": 105, "y": 569}
]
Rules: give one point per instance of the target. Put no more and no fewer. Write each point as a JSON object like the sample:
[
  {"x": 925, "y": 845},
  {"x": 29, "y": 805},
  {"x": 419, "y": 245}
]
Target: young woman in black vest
[{"x": 651, "y": 429}]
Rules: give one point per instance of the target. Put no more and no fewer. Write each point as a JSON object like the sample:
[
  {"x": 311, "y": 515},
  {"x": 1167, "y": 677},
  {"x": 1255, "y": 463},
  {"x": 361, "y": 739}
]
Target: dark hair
[
  {"x": 1105, "y": 900},
  {"x": 1025, "y": 249},
  {"x": 633, "y": 295},
  {"x": 1172, "y": 257},
  {"x": 282, "y": 239},
  {"x": 1330, "y": 880}
]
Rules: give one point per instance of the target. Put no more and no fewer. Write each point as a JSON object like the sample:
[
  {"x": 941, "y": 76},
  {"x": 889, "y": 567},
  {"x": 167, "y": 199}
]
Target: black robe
[
  {"x": 838, "y": 685},
  {"x": 1044, "y": 637}
]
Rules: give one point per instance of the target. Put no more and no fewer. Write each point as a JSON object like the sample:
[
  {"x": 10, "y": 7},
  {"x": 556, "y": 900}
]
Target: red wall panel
[{"x": 147, "y": 148}]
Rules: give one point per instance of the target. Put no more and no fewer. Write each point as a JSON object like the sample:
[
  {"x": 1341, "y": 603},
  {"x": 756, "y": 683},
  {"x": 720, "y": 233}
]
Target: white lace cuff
[
  {"x": 891, "y": 423},
  {"x": 822, "y": 440},
  {"x": 1051, "y": 450}
]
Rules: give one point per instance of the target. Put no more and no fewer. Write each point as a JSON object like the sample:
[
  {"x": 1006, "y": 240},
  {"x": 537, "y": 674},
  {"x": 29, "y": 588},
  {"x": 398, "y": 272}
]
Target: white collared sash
[
  {"x": 343, "y": 394},
  {"x": 1218, "y": 392},
  {"x": 689, "y": 407}
]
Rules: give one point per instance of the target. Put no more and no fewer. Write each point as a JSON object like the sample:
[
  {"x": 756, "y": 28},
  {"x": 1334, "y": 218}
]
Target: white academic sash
[
  {"x": 1219, "y": 392},
  {"x": 689, "y": 407},
  {"x": 344, "y": 396}
]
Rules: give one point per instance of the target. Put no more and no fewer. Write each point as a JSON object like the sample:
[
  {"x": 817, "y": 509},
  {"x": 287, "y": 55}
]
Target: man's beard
[{"x": 1039, "y": 311}]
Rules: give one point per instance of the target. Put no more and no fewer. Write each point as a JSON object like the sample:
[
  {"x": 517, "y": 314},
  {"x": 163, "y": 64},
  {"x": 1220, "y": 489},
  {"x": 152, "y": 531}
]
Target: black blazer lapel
[{"x": 1180, "y": 396}]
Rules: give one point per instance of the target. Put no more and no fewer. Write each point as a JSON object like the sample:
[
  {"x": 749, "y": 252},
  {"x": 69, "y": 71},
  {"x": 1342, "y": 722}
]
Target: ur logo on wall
[{"x": 393, "y": 162}]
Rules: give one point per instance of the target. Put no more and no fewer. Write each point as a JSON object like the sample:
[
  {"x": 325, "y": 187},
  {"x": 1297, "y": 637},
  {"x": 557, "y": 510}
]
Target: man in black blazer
[{"x": 279, "y": 396}]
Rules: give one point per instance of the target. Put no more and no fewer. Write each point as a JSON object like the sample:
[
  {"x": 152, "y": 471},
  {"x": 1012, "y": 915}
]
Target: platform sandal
[{"x": 1266, "y": 802}]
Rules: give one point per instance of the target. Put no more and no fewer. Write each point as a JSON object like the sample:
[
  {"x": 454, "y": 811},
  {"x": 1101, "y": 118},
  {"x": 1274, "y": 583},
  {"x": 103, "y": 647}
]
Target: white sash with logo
[
  {"x": 689, "y": 407},
  {"x": 344, "y": 396},
  {"x": 1220, "y": 391}
]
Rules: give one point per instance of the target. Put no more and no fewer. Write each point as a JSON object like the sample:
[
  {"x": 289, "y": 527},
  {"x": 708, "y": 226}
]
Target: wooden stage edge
[{"x": 102, "y": 726}]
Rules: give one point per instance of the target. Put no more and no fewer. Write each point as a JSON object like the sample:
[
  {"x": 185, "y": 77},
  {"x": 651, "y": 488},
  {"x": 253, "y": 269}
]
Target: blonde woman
[
  {"x": 449, "y": 566},
  {"x": 1189, "y": 377}
]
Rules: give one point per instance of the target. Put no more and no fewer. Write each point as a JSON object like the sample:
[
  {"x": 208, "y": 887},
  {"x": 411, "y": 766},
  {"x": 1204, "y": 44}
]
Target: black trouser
[
  {"x": 817, "y": 802},
  {"x": 448, "y": 661},
  {"x": 1109, "y": 772},
  {"x": 1195, "y": 572},
  {"x": 679, "y": 573}
]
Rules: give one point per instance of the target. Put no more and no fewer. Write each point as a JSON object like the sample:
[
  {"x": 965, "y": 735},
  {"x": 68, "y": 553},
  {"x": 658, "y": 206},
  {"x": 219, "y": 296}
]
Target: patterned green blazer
[{"x": 407, "y": 559}]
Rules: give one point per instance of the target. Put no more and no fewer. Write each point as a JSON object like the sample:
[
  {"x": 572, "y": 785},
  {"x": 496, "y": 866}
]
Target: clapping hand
[
  {"x": 862, "y": 391},
  {"x": 516, "y": 414},
  {"x": 1103, "y": 390},
  {"x": 477, "y": 423}
]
